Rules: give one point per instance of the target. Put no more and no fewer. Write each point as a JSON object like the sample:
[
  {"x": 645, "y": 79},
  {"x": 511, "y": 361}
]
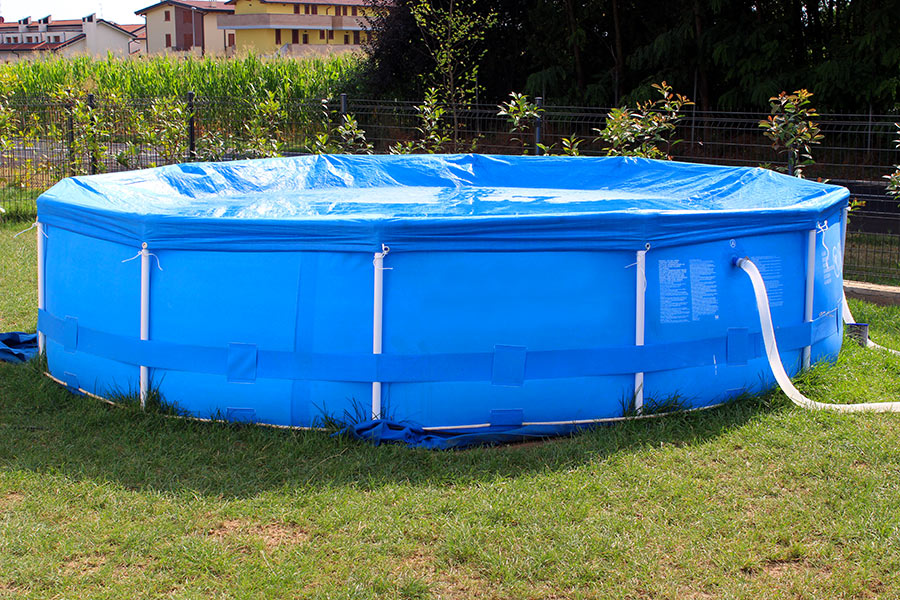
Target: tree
[
  {"x": 733, "y": 55},
  {"x": 454, "y": 35}
]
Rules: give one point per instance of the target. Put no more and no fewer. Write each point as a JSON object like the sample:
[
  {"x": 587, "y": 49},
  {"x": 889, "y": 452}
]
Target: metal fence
[{"x": 44, "y": 140}]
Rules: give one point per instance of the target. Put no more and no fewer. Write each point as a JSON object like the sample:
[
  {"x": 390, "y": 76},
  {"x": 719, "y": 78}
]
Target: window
[
  {"x": 278, "y": 36},
  {"x": 187, "y": 16},
  {"x": 356, "y": 37},
  {"x": 305, "y": 38},
  {"x": 306, "y": 9},
  {"x": 56, "y": 39},
  {"x": 331, "y": 34},
  {"x": 188, "y": 40},
  {"x": 168, "y": 40},
  {"x": 295, "y": 36},
  {"x": 315, "y": 9},
  {"x": 231, "y": 39},
  {"x": 353, "y": 12},
  {"x": 344, "y": 10},
  {"x": 167, "y": 16},
  {"x": 28, "y": 39},
  {"x": 296, "y": 9},
  {"x": 346, "y": 39},
  {"x": 321, "y": 34}
]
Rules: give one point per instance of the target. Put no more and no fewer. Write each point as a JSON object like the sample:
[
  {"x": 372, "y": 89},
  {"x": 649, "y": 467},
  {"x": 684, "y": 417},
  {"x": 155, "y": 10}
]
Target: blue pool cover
[{"x": 453, "y": 202}]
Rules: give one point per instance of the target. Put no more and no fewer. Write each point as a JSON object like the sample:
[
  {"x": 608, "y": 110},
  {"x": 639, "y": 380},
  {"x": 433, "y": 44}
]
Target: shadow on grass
[{"x": 44, "y": 428}]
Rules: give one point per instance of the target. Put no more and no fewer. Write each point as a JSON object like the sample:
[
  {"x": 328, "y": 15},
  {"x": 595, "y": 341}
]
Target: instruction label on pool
[
  {"x": 687, "y": 292},
  {"x": 771, "y": 269}
]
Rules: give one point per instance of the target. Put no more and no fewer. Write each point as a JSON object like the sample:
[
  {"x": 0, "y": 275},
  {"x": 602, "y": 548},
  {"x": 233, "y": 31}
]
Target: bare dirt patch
[
  {"x": 84, "y": 566},
  {"x": 780, "y": 568},
  {"x": 446, "y": 583},
  {"x": 10, "y": 499},
  {"x": 272, "y": 534}
]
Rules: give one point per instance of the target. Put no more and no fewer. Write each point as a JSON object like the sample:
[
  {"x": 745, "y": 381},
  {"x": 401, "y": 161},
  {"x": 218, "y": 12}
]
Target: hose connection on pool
[{"x": 774, "y": 358}]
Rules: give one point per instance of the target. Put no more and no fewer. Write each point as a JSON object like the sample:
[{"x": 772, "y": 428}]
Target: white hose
[{"x": 784, "y": 382}]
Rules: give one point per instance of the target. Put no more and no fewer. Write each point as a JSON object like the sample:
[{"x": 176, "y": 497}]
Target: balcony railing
[{"x": 291, "y": 21}]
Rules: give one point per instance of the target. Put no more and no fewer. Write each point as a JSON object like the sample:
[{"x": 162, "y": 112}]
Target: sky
[{"x": 118, "y": 11}]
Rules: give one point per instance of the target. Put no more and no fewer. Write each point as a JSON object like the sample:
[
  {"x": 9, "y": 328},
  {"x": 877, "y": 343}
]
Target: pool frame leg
[
  {"x": 810, "y": 289},
  {"x": 845, "y": 221},
  {"x": 639, "y": 320},
  {"x": 145, "y": 319},
  {"x": 42, "y": 300},
  {"x": 377, "y": 322}
]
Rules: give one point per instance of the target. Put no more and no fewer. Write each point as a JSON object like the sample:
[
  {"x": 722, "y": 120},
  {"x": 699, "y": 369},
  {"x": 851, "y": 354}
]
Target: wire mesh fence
[{"x": 43, "y": 140}]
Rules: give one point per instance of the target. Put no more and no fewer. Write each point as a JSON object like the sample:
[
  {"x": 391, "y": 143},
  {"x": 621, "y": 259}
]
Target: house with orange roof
[{"x": 87, "y": 36}]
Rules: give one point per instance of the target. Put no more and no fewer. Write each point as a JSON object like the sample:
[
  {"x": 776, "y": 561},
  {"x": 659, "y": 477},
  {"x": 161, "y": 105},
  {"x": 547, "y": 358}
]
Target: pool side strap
[
  {"x": 774, "y": 358},
  {"x": 461, "y": 366}
]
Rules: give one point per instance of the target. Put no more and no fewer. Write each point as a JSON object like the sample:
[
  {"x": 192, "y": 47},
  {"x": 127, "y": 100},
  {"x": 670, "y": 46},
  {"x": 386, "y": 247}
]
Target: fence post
[
  {"x": 70, "y": 136},
  {"x": 192, "y": 131},
  {"x": 93, "y": 148},
  {"x": 343, "y": 105},
  {"x": 538, "y": 125}
]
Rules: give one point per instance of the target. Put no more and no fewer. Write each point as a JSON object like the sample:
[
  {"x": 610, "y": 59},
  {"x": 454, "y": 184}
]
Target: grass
[
  {"x": 18, "y": 277},
  {"x": 754, "y": 499}
]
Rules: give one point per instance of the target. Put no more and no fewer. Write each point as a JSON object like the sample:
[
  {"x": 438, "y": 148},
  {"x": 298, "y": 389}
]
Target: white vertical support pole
[
  {"x": 640, "y": 311},
  {"x": 810, "y": 287},
  {"x": 377, "y": 320},
  {"x": 42, "y": 301},
  {"x": 145, "y": 318},
  {"x": 845, "y": 221}
]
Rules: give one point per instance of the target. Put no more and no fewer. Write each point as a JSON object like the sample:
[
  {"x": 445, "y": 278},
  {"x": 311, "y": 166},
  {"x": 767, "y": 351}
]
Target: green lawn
[
  {"x": 757, "y": 499},
  {"x": 18, "y": 277}
]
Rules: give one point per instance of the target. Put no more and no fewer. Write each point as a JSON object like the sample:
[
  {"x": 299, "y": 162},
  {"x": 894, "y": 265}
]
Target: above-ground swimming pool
[{"x": 460, "y": 292}]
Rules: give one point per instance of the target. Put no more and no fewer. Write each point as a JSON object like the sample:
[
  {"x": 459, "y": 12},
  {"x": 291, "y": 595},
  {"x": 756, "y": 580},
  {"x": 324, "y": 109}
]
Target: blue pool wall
[{"x": 434, "y": 302}]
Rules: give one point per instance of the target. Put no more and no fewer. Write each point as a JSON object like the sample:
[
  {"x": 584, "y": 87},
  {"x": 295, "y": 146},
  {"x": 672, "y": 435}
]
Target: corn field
[{"x": 249, "y": 77}]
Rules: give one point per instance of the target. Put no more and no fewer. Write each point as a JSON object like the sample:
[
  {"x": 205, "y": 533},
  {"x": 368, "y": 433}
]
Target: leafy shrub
[
  {"x": 791, "y": 129},
  {"x": 893, "y": 187},
  {"x": 646, "y": 130},
  {"x": 433, "y": 135},
  {"x": 521, "y": 113}
]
